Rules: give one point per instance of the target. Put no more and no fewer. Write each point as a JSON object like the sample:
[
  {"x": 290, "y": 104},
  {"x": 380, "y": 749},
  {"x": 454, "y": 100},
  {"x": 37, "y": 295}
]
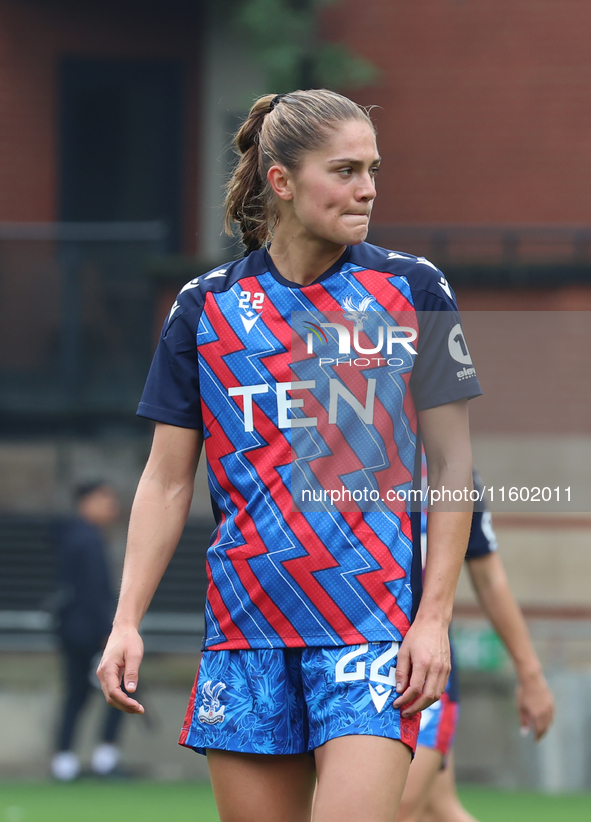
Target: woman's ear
[{"x": 280, "y": 181}]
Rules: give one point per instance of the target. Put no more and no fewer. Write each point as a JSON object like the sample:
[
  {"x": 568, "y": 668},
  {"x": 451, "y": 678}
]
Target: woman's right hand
[
  {"x": 121, "y": 662},
  {"x": 158, "y": 516}
]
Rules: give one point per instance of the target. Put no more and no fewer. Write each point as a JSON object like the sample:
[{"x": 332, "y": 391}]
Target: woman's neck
[{"x": 303, "y": 260}]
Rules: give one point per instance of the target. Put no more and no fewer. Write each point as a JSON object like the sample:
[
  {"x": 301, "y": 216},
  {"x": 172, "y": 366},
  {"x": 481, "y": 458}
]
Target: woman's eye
[
  {"x": 374, "y": 171},
  {"x": 346, "y": 172}
]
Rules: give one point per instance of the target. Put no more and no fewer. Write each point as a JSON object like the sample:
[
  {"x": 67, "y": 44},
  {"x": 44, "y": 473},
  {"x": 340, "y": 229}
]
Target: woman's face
[{"x": 331, "y": 194}]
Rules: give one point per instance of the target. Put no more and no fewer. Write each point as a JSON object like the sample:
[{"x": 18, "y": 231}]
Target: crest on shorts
[{"x": 212, "y": 711}]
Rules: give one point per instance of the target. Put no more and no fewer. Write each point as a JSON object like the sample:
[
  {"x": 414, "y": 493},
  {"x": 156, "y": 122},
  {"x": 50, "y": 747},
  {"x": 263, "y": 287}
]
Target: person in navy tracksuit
[{"x": 84, "y": 617}]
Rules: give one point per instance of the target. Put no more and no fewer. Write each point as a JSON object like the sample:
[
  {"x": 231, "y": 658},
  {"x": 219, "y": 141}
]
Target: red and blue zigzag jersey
[{"x": 308, "y": 397}]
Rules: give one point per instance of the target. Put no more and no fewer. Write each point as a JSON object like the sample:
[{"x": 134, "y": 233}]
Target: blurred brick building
[
  {"x": 484, "y": 111},
  {"x": 99, "y": 169},
  {"x": 120, "y": 112},
  {"x": 98, "y": 105}
]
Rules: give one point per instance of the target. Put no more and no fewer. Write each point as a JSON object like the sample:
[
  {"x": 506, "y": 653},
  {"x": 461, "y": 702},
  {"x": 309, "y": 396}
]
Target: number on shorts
[
  {"x": 374, "y": 671},
  {"x": 341, "y": 675}
]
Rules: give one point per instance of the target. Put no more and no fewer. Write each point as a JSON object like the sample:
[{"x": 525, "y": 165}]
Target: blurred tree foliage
[{"x": 284, "y": 39}]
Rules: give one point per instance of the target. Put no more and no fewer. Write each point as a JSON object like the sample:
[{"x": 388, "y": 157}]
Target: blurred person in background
[
  {"x": 84, "y": 612},
  {"x": 430, "y": 792}
]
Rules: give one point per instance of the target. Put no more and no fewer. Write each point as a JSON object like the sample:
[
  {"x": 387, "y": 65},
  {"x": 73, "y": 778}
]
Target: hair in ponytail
[{"x": 278, "y": 129}]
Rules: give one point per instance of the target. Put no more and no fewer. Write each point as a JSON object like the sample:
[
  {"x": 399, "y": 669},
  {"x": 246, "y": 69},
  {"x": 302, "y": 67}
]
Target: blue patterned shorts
[
  {"x": 289, "y": 701},
  {"x": 438, "y": 725}
]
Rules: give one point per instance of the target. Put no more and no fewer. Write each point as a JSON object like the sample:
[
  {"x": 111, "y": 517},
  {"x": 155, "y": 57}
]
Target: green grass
[
  {"x": 489, "y": 805},
  {"x": 89, "y": 801}
]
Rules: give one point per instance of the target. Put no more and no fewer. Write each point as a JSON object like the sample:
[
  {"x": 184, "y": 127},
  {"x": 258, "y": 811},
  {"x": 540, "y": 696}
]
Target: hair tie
[{"x": 277, "y": 99}]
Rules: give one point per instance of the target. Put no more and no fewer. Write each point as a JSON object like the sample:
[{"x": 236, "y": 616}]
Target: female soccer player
[
  {"x": 307, "y": 369},
  {"x": 429, "y": 794}
]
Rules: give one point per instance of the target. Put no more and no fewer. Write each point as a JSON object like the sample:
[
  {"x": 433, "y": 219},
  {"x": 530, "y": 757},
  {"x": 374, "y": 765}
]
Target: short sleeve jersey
[
  {"x": 312, "y": 388},
  {"x": 482, "y": 540}
]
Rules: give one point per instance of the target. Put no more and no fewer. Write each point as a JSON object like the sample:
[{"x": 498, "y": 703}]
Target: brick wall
[
  {"x": 485, "y": 113},
  {"x": 34, "y": 36},
  {"x": 531, "y": 349}
]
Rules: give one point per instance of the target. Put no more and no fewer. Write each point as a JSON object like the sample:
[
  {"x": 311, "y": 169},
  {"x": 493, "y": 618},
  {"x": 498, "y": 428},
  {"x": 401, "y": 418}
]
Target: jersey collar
[{"x": 290, "y": 283}]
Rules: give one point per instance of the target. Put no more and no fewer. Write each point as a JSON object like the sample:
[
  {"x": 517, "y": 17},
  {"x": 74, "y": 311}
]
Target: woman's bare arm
[
  {"x": 424, "y": 658},
  {"x": 534, "y": 698},
  {"x": 158, "y": 516}
]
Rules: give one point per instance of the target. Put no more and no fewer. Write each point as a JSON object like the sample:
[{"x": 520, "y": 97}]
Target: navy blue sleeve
[
  {"x": 171, "y": 394},
  {"x": 443, "y": 371},
  {"x": 482, "y": 539}
]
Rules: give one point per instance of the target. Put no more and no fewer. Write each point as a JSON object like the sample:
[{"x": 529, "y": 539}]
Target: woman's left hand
[
  {"x": 535, "y": 704},
  {"x": 423, "y": 666}
]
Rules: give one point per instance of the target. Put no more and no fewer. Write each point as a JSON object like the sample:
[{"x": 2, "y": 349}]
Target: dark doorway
[{"x": 121, "y": 142}]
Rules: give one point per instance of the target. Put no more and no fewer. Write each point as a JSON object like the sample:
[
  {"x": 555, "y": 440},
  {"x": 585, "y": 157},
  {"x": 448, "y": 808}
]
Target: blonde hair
[{"x": 279, "y": 129}]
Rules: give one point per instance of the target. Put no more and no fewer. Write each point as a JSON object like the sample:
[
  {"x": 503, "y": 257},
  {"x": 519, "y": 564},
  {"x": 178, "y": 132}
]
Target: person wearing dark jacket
[{"x": 84, "y": 616}]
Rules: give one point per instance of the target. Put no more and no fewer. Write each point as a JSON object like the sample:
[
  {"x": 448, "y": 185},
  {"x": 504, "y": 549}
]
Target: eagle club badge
[
  {"x": 212, "y": 710},
  {"x": 357, "y": 313}
]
